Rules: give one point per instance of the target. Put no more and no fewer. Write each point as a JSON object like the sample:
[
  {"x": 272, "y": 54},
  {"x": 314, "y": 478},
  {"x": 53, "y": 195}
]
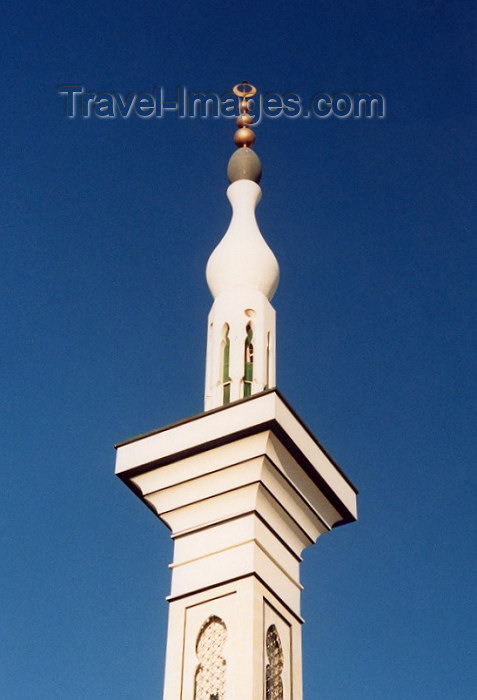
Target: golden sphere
[
  {"x": 244, "y": 137},
  {"x": 244, "y": 120}
]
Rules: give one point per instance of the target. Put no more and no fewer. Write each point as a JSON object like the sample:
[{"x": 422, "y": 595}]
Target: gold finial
[{"x": 244, "y": 136}]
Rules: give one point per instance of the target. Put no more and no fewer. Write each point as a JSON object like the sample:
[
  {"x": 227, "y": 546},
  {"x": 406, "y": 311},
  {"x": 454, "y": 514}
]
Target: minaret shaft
[
  {"x": 244, "y": 489},
  {"x": 244, "y": 654}
]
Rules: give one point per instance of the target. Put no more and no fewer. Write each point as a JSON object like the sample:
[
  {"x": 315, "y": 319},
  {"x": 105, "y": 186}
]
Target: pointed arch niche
[
  {"x": 248, "y": 361},
  {"x": 211, "y": 670},
  {"x": 225, "y": 374}
]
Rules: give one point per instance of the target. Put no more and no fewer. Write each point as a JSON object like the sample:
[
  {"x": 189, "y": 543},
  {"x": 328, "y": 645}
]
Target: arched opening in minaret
[
  {"x": 226, "y": 364},
  {"x": 273, "y": 672},
  {"x": 248, "y": 362},
  {"x": 210, "y": 673}
]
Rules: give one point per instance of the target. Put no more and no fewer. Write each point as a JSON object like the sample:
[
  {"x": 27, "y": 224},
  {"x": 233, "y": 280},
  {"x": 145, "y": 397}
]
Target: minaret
[{"x": 244, "y": 487}]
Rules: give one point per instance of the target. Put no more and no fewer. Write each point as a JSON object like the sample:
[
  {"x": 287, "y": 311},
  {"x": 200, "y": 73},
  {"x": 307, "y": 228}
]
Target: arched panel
[
  {"x": 273, "y": 672},
  {"x": 248, "y": 361},
  {"x": 226, "y": 364},
  {"x": 210, "y": 672}
]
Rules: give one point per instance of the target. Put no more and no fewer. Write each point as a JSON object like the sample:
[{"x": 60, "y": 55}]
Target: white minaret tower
[{"x": 244, "y": 487}]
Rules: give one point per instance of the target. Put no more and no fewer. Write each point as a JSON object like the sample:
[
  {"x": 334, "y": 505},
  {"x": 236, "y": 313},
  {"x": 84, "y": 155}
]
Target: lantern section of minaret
[{"x": 242, "y": 274}]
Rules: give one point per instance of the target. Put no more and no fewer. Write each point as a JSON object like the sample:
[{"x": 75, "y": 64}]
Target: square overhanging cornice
[{"x": 267, "y": 410}]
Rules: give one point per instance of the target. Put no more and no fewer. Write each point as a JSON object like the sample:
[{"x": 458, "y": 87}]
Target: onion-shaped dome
[{"x": 243, "y": 258}]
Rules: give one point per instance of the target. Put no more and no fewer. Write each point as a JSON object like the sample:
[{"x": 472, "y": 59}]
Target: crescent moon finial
[{"x": 244, "y": 137}]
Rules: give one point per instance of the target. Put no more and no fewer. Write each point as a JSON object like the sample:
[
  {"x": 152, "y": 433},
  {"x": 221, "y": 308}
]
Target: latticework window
[
  {"x": 210, "y": 673},
  {"x": 274, "y": 683}
]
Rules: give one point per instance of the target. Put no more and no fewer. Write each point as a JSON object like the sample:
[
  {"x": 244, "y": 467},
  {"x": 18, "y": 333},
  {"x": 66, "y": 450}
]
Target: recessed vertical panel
[
  {"x": 277, "y": 655},
  {"x": 210, "y": 636}
]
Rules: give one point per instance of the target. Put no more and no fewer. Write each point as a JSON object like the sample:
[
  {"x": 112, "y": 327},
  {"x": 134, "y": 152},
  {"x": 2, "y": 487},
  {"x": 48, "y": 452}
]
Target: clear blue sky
[{"x": 107, "y": 225}]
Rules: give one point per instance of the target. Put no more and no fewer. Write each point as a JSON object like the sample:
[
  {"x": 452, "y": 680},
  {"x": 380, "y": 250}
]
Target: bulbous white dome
[{"x": 242, "y": 258}]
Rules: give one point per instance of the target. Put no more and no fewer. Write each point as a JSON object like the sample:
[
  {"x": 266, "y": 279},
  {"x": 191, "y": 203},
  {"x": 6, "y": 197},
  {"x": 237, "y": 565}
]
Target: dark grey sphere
[{"x": 244, "y": 164}]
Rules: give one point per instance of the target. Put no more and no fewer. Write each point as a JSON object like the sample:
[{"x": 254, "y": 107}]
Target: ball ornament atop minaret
[
  {"x": 244, "y": 136},
  {"x": 244, "y": 163}
]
